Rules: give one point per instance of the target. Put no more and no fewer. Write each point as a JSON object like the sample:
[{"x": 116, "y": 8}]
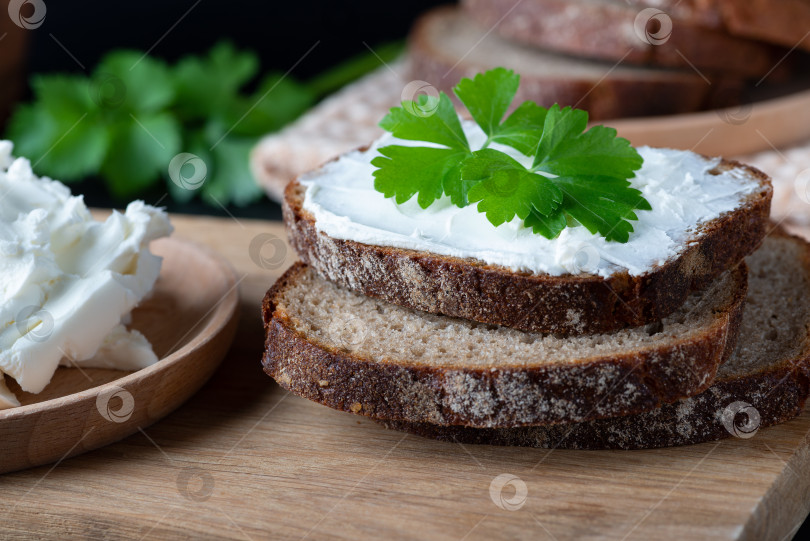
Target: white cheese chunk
[
  {"x": 66, "y": 280},
  {"x": 122, "y": 349}
]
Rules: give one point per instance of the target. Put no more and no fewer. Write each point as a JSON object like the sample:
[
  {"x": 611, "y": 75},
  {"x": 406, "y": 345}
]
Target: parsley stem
[{"x": 355, "y": 67}]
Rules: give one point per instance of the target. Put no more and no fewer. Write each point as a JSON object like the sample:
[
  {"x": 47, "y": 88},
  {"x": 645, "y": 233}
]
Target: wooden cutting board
[{"x": 246, "y": 460}]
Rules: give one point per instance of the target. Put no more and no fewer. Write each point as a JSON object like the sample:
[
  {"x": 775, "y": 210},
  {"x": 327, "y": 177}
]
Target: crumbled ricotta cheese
[{"x": 66, "y": 280}]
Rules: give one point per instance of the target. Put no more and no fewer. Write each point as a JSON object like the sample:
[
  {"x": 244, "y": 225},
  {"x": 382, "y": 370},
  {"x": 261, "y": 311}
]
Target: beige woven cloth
[
  {"x": 790, "y": 171},
  {"x": 348, "y": 120}
]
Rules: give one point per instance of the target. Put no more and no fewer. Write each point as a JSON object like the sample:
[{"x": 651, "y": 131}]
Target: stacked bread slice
[
  {"x": 765, "y": 381},
  {"x": 460, "y": 349},
  {"x": 614, "y": 58}
]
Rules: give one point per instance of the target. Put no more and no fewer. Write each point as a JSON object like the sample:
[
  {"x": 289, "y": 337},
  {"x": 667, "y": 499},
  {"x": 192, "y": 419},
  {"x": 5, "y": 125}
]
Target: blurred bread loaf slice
[
  {"x": 615, "y": 31},
  {"x": 446, "y": 45}
]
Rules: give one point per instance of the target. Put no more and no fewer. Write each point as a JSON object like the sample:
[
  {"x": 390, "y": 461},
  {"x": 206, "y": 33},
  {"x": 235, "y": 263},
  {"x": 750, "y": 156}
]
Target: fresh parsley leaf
[
  {"x": 565, "y": 150},
  {"x": 428, "y": 119},
  {"x": 487, "y": 96},
  {"x": 406, "y": 171},
  {"x": 146, "y": 82},
  {"x": 143, "y": 146},
  {"x": 523, "y": 129},
  {"x": 596, "y": 152},
  {"x": 231, "y": 179},
  {"x": 505, "y": 189},
  {"x": 194, "y": 143},
  {"x": 548, "y": 226},
  {"x": 65, "y": 136},
  {"x": 559, "y": 125},
  {"x": 63, "y": 146},
  {"x": 206, "y": 85},
  {"x": 592, "y": 169},
  {"x": 577, "y": 177},
  {"x": 602, "y": 204}
]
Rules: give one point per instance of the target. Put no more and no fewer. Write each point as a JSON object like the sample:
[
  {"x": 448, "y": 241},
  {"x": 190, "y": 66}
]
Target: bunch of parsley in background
[{"x": 129, "y": 119}]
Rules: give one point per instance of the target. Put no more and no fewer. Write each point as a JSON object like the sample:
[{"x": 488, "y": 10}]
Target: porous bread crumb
[
  {"x": 775, "y": 321},
  {"x": 394, "y": 334}
]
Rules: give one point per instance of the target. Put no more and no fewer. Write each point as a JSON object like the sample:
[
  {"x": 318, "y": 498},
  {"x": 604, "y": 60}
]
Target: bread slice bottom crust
[
  {"x": 768, "y": 388},
  {"x": 415, "y": 367},
  {"x": 777, "y": 395}
]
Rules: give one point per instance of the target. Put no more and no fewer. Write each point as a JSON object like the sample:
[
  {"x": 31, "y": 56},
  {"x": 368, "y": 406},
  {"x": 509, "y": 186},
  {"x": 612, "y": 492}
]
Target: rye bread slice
[
  {"x": 568, "y": 304},
  {"x": 446, "y": 45},
  {"x": 354, "y": 353},
  {"x": 785, "y": 23},
  {"x": 606, "y": 30},
  {"x": 769, "y": 371}
]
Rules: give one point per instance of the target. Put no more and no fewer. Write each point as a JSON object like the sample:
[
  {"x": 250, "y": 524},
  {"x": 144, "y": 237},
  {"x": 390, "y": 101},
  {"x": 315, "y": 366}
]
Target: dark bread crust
[
  {"x": 407, "y": 391},
  {"x": 470, "y": 289},
  {"x": 778, "y": 395},
  {"x": 616, "y": 95},
  {"x": 605, "y": 31}
]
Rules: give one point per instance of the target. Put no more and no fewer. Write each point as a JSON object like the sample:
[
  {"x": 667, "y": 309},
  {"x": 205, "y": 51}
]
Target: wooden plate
[
  {"x": 753, "y": 127},
  {"x": 190, "y": 319}
]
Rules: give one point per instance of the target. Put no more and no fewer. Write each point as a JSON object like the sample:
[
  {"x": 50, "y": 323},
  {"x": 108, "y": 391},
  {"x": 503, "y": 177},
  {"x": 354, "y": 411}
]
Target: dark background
[{"x": 280, "y": 32}]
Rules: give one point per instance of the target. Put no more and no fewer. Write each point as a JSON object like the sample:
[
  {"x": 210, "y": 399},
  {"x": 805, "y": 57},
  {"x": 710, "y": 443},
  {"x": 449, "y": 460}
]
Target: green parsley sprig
[{"x": 576, "y": 176}]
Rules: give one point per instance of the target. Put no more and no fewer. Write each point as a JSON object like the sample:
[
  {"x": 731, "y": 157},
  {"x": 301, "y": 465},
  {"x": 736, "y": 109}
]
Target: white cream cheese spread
[
  {"x": 677, "y": 184},
  {"x": 67, "y": 281}
]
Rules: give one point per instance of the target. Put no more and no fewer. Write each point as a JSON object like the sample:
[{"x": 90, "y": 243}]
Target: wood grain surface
[{"x": 245, "y": 460}]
